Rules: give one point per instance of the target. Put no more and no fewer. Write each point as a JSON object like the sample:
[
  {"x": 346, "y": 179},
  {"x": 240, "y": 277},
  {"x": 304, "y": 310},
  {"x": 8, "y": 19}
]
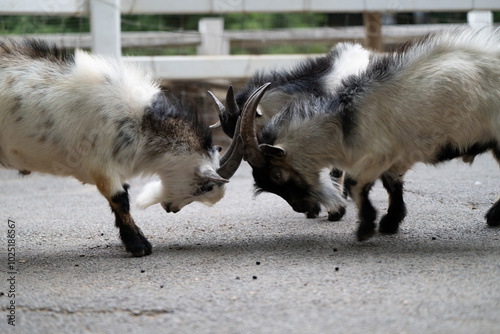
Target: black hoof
[
  {"x": 140, "y": 247},
  {"x": 388, "y": 225},
  {"x": 336, "y": 216},
  {"x": 135, "y": 242},
  {"x": 314, "y": 212},
  {"x": 493, "y": 215},
  {"x": 365, "y": 231}
]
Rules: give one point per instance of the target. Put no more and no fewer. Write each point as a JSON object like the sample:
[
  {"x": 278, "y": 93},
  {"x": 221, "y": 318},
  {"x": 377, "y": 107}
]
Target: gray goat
[
  {"x": 102, "y": 122},
  {"x": 314, "y": 77},
  {"x": 431, "y": 100}
]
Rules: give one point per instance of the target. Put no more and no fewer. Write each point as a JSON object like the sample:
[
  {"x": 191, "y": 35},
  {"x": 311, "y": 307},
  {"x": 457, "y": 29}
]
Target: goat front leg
[
  {"x": 396, "y": 212},
  {"x": 366, "y": 212},
  {"x": 135, "y": 242},
  {"x": 131, "y": 235}
]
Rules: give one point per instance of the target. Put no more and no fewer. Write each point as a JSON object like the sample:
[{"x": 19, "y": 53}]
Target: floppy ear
[
  {"x": 209, "y": 173},
  {"x": 274, "y": 151}
]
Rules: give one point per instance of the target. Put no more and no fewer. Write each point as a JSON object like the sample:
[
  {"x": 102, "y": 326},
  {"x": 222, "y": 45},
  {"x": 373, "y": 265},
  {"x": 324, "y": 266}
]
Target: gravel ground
[{"x": 252, "y": 265}]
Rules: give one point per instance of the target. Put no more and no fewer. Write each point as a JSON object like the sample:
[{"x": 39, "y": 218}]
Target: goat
[
  {"x": 431, "y": 100},
  {"x": 103, "y": 122},
  {"x": 314, "y": 77}
]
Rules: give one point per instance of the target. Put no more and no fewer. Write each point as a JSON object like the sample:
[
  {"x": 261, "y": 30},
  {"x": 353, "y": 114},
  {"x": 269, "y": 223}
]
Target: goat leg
[
  {"x": 396, "y": 212},
  {"x": 131, "y": 235},
  {"x": 366, "y": 212}
]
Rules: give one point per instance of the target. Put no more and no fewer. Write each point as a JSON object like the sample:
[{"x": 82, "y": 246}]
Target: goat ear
[
  {"x": 209, "y": 173},
  {"x": 273, "y": 151}
]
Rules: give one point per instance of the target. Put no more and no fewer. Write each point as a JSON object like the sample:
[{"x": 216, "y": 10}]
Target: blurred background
[{"x": 158, "y": 39}]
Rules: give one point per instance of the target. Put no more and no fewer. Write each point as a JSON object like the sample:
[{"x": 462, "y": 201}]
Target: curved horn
[
  {"x": 230, "y": 161},
  {"x": 232, "y": 106},
  {"x": 220, "y": 110},
  {"x": 253, "y": 154}
]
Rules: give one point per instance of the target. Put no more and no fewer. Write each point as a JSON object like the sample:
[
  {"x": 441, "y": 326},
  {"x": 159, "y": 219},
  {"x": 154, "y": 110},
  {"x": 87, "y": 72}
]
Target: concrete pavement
[{"x": 251, "y": 265}]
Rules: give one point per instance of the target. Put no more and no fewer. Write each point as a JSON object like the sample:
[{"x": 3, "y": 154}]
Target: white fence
[{"x": 106, "y": 37}]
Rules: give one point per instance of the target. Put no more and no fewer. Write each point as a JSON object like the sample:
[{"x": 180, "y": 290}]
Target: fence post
[
  {"x": 480, "y": 18},
  {"x": 105, "y": 27},
  {"x": 373, "y": 30},
  {"x": 212, "y": 37}
]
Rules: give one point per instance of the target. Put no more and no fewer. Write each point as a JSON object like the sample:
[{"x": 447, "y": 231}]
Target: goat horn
[
  {"x": 253, "y": 154},
  {"x": 220, "y": 110},
  {"x": 232, "y": 106},
  {"x": 231, "y": 159}
]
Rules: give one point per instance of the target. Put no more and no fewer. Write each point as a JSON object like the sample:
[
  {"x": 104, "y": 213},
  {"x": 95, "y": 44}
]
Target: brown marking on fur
[
  {"x": 16, "y": 105},
  {"x": 49, "y": 123},
  {"x": 9, "y": 81},
  {"x": 102, "y": 183},
  {"x": 25, "y": 172},
  {"x": 42, "y": 139}
]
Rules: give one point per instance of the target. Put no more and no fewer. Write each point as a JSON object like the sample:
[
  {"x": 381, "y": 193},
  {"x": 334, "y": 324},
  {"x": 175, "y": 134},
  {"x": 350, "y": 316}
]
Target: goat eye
[
  {"x": 277, "y": 177},
  {"x": 209, "y": 188}
]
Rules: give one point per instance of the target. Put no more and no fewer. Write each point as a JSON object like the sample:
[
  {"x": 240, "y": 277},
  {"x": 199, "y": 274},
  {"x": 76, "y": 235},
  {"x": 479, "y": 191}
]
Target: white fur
[
  {"x": 62, "y": 120},
  {"x": 352, "y": 60}
]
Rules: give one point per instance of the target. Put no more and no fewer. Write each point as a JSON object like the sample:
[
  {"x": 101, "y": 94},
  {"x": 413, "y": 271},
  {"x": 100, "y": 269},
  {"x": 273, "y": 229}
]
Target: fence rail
[
  {"x": 249, "y": 38},
  {"x": 106, "y": 37},
  {"x": 82, "y": 7}
]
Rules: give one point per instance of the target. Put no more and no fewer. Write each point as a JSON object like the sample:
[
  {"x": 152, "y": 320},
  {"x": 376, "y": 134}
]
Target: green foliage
[
  {"x": 15, "y": 25},
  {"x": 43, "y": 24}
]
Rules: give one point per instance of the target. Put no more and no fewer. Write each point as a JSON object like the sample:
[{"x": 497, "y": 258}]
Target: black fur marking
[
  {"x": 367, "y": 215},
  {"x": 169, "y": 118},
  {"x": 134, "y": 240},
  {"x": 128, "y": 130},
  {"x": 297, "y": 195},
  {"x": 305, "y": 78},
  {"x": 36, "y": 49},
  {"x": 131, "y": 235},
  {"x": 314, "y": 212},
  {"x": 389, "y": 224},
  {"x": 336, "y": 216},
  {"x": 122, "y": 202},
  {"x": 450, "y": 151},
  {"x": 349, "y": 183},
  {"x": 493, "y": 215}
]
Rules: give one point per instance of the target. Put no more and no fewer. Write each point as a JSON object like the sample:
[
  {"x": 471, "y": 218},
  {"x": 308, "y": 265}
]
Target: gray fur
[{"x": 431, "y": 100}]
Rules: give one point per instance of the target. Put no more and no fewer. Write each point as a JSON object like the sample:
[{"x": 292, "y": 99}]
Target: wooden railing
[{"x": 213, "y": 41}]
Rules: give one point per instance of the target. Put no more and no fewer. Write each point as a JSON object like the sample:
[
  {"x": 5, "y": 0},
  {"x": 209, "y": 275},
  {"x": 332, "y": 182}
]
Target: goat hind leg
[
  {"x": 366, "y": 211},
  {"x": 396, "y": 212},
  {"x": 338, "y": 177},
  {"x": 493, "y": 214}
]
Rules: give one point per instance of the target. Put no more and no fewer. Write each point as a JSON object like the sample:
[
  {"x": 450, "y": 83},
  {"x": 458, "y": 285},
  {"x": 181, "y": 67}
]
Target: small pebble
[
  {"x": 336, "y": 268},
  {"x": 254, "y": 277},
  {"x": 77, "y": 265},
  {"x": 1, "y": 294},
  {"x": 237, "y": 277},
  {"x": 433, "y": 238},
  {"x": 335, "y": 249},
  {"x": 161, "y": 286},
  {"x": 143, "y": 271},
  {"x": 257, "y": 263}
]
